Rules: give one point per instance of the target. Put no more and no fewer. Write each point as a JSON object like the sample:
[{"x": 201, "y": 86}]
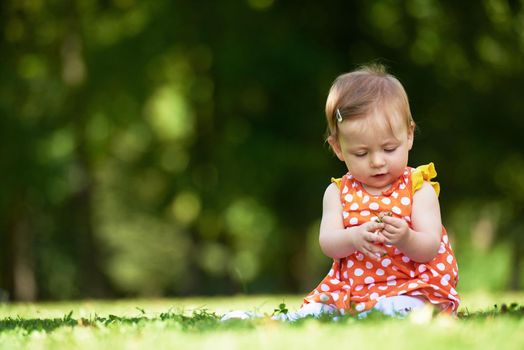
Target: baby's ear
[
  {"x": 411, "y": 135},
  {"x": 335, "y": 146}
]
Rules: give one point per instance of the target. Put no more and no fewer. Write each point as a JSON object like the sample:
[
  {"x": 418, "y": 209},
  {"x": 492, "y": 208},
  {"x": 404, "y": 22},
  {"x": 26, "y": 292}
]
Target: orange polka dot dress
[{"x": 356, "y": 283}]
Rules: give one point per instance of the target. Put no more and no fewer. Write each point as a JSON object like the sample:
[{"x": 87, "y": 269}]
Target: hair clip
[{"x": 339, "y": 116}]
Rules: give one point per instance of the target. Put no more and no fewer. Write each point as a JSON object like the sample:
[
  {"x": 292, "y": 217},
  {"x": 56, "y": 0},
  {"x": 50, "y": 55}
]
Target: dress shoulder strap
[{"x": 424, "y": 173}]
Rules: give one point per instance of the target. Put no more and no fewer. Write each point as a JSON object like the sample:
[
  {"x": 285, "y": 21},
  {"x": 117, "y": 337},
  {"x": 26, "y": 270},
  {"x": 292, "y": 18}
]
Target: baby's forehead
[{"x": 376, "y": 124}]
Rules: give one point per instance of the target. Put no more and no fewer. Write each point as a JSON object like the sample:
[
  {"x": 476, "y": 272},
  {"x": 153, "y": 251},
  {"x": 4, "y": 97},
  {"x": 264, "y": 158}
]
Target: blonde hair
[{"x": 358, "y": 93}]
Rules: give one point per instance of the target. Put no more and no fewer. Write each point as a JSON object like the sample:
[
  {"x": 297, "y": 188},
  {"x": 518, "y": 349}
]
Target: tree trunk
[{"x": 18, "y": 266}]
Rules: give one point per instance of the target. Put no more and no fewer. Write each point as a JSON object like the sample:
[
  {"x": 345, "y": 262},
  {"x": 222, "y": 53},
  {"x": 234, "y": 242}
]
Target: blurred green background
[{"x": 166, "y": 148}]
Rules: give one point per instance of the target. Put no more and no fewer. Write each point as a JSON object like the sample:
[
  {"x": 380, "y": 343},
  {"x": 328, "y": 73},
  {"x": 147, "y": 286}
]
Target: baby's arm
[
  {"x": 421, "y": 243},
  {"x": 338, "y": 242}
]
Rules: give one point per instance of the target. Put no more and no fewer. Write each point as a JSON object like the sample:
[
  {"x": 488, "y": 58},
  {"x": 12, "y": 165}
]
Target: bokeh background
[{"x": 154, "y": 148}]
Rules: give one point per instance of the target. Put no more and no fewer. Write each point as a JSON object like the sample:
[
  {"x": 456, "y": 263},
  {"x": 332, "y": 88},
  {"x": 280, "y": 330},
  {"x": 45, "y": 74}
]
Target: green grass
[{"x": 194, "y": 323}]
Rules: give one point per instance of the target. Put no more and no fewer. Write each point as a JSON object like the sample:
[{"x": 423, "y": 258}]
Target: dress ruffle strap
[
  {"x": 337, "y": 182},
  {"x": 424, "y": 173}
]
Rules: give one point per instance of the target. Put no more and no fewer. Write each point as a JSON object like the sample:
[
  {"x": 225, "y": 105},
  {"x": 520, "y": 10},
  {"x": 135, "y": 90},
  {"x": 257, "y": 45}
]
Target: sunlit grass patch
[{"x": 482, "y": 323}]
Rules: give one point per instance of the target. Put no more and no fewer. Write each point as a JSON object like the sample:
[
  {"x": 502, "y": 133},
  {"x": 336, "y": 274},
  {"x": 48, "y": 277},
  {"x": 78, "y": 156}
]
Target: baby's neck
[{"x": 375, "y": 191}]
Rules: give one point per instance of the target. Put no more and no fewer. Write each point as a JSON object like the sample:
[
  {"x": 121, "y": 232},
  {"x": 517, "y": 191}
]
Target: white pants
[{"x": 399, "y": 305}]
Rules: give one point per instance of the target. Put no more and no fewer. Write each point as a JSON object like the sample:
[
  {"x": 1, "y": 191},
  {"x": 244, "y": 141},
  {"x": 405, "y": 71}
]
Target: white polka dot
[
  {"x": 335, "y": 296},
  {"x": 353, "y": 221},
  {"x": 348, "y": 198},
  {"x": 453, "y": 291},
  {"x": 441, "y": 266},
  {"x": 345, "y": 274},
  {"x": 373, "y": 296},
  {"x": 383, "y": 287},
  {"x": 345, "y": 214},
  {"x": 346, "y": 287},
  {"x": 373, "y": 206},
  {"x": 397, "y": 252},
  {"x": 359, "y": 272},
  {"x": 360, "y": 306},
  {"x": 421, "y": 268},
  {"x": 360, "y": 256},
  {"x": 379, "y": 272},
  {"x": 424, "y": 277},
  {"x": 449, "y": 259},
  {"x": 444, "y": 280},
  {"x": 405, "y": 259},
  {"x": 445, "y": 239},
  {"x": 359, "y": 287},
  {"x": 441, "y": 249},
  {"x": 331, "y": 273},
  {"x": 354, "y": 206},
  {"x": 402, "y": 186},
  {"x": 359, "y": 193},
  {"x": 369, "y": 265},
  {"x": 337, "y": 276},
  {"x": 350, "y": 263},
  {"x": 412, "y": 285},
  {"x": 386, "y": 262},
  {"x": 396, "y": 210},
  {"x": 324, "y": 298},
  {"x": 351, "y": 281},
  {"x": 386, "y": 200},
  {"x": 411, "y": 273},
  {"x": 369, "y": 280},
  {"x": 365, "y": 199},
  {"x": 391, "y": 278},
  {"x": 392, "y": 283},
  {"x": 365, "y": 212},
  {"x": 334, "y": 281},
  {"x": 394, "y": 195},
  {"x": 324, "y": 287},
  {"x": 405, "y": 201},
  {"x": 345, "y": 297},
  {"x": 342, "y": 311},
  {"x": 345, "y": 190},
  {"x": 371, "y": 285}
]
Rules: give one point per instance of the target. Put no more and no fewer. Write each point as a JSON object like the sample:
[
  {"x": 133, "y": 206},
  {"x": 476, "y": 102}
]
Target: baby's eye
[
  {"x": 391, "y": 149},
  {"x": 362, "y": 154}
]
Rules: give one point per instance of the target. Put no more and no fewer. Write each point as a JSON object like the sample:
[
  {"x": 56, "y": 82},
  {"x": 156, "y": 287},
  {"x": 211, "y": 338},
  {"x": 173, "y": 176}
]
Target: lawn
[{"x": 193, "y": 323}]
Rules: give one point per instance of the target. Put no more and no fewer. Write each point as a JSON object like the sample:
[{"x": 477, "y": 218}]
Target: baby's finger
[
  {"x": 372, "y": 237},
  {"x": 390, "y": 220},
  {"x": 370, "y": 254},
  {"x": 387, "y": 237},
  {"x": 373, "y": 226},
  {"x": 375, "y": 252}
]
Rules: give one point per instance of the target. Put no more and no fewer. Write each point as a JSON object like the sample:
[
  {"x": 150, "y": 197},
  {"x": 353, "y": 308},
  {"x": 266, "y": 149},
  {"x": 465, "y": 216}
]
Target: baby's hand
[
  {"x": 395, "y": 231},
  {"x": 365, "y": 239}
]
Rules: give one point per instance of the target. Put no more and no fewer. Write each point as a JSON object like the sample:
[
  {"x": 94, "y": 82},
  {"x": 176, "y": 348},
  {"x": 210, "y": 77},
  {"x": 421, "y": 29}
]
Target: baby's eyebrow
[{"x": 391, "y": 143}]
